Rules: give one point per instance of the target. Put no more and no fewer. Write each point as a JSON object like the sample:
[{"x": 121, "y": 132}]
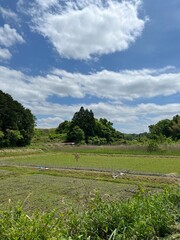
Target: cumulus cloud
[
  {"x": 125, "y": 84},
  {"x": 4, "y": 54},
  {"x": 82, "y": 29},
  {"x": 34, "y": 92},
  {"x": 9, "y": 36},
  {"x": 115, "y": 86}
]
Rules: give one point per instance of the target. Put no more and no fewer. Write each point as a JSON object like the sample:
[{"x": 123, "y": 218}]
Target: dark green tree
[
  {"x": 85, "y": 120},
  {"x": 175, "y": 127},
  {"x": 166, "y": 128},
  {"x": 16, "y": 122},
  {"x": 63, "y": 127},
  {"x": 104, "y": 129},
  {"x": 76, "y": 134},
  {"x": 94, "y": 131},
  {"x": 162, "y": 128}
]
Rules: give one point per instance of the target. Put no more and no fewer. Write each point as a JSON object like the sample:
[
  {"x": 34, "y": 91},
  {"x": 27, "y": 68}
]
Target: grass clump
[{"x": 145, "y": 216}]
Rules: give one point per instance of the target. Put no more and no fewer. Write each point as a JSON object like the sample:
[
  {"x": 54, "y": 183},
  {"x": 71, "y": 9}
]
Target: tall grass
[
  {"x": 163, "y": 149},
  {"x": 145, "y": 216}
]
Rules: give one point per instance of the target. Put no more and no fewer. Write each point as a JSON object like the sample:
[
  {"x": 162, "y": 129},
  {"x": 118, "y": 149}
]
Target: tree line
[
  {"x": 166, "y": 129},
  {"x": 85, "y": 128},
  {"x": 17, "y": 125}
]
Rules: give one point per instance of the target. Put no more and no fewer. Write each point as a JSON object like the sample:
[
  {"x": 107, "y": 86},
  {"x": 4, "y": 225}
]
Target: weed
[{"x": 145, "y": 216}]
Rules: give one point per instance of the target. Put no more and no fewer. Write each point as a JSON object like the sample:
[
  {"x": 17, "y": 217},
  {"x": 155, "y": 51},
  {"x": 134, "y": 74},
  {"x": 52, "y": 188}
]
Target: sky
[{"x": 119, "y": 58}]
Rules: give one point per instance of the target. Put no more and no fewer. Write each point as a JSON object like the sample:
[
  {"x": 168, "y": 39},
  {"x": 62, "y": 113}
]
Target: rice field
[
  {"x": 54, "y": 179},
  {"x": 137, "y": 163}
]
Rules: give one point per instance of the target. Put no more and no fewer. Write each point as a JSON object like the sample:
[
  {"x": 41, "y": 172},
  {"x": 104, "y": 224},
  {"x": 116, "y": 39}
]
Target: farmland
[
  {"x": 66, "y": 175},
  {"x": 58, "y": 178}
]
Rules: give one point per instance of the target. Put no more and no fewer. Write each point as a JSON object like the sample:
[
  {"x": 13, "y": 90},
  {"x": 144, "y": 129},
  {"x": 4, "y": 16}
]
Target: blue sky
[{"x": 118, "y": 58}]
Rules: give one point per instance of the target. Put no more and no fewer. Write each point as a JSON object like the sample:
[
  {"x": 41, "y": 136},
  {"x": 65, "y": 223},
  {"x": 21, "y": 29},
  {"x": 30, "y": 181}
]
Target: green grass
[
  {"x": 147, "y": 164},
  {"x": 51, "y": 189},
  {"x": 13, "y": 152},
  {"x": 22, "y": 175},
  {"x": 71, "y": 190},
  {"x": 145, "y": 216}
]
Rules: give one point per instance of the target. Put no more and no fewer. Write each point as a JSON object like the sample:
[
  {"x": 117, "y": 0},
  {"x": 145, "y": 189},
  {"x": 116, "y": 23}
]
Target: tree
[
  {"x": 63, "y": 127},
  {"x": 16, "y": 122},
  {"x": 85, "y": 120},
  {"x": 175, "y": 127},
  {"x": 94, "y": 131},
  {"x": 166, "y": 128},
  {"x": 76, "y": 134},
  {"x": 104, "y": 129},
  {"x": 162, "y": 128}
]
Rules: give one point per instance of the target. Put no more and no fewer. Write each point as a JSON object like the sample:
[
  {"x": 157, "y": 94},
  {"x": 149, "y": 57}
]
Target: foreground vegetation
[{"x": 145, "y": 216}]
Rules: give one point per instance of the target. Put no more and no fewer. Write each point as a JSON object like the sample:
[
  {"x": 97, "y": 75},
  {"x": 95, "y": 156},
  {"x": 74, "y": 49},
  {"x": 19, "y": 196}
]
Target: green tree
[
  {"x": 95, "y": 131},
  {"x": 16, "y": 122},
  {"x": 85, "y": 120},
  {"x": 160, "y": 129},
  {"x": 104, "y": 129},
  {"x": 175, "y": 127},
  {"x": 166, "y": 128},
  {"x": 63, "y": 127},
  {"x": 13, "y": 137},
  {"x": 76, "y": 134}
]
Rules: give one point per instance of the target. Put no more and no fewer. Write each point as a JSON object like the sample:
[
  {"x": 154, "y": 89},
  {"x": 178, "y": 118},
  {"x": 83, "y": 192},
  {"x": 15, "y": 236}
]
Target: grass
[
  {"x": 145, "y": 216},
  {"x": 23, "y": 175},
  {"x": 48, "y": 190},
  {"x": 147, "y": 164},
  {"x": 70, "y": 184},
  {"x": 164, "y": 149}
]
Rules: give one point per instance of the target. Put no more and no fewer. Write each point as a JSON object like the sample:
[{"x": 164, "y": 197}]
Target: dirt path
[{"x": 115, "y": 173}]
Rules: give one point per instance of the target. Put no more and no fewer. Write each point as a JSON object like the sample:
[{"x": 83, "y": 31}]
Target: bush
[
  {"x": 153, "y": 147},
  {"x": 146, "y": 216}
]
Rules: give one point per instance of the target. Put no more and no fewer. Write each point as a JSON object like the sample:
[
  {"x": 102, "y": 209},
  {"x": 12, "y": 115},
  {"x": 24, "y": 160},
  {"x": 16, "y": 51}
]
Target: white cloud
[
  {"x": 82, "y": 29},
  {"x": 115, "y": 86},
  {"x": 45, "y": 4},
  {"x": 9, "y": 36},
  {"x": 34, "y": 92},
  {"x": 123, "y": 85},
  {"x": 4, "y": 54},
  {"x": 8, "y": 14}
]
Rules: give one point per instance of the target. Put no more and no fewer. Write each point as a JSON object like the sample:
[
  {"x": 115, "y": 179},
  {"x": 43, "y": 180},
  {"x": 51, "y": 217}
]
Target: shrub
[
  {"x": 153, "y": 147},
  {"x": 145, "y": 216}
]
